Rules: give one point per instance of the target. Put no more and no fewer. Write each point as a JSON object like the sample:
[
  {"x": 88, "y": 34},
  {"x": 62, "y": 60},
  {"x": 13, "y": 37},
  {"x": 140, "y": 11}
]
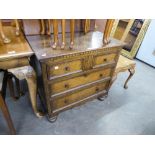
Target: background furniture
[
  {"x": 34, "y": 26},
  {"x": 17, "y": 54},
  {"x": 27, "y": 73},
  {"x": 132, "y": 32},
  {"x": 4, "y": 108},
  {"x": 3, "y": 36},
  {"x": 124, "y": 64}
]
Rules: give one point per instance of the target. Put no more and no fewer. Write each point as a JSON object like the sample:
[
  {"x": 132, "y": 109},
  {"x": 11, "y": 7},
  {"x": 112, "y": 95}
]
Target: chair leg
[
  {"x": 4, "y": 84},
  {"x": 5, "y": 39},
  {"x": 17, "y": 27},
  {"x": 7, "y": 116},
  {"x": 12, "y": 87},
  {"x": 132, "y": 71}
]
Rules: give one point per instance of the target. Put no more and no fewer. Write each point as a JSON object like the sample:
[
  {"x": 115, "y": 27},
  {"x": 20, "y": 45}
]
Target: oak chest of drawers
[{"x": 68, "y": 78}]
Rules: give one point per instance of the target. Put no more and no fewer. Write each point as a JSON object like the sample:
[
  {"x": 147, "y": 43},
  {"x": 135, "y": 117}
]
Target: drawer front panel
[
  {"x": 77, "y": 81},
  {"x": 70, "y": 99},
  {"x": 103, "y": 59},
  {"x": 14, "y": 63},
  {"x": 64, "y": 68}
]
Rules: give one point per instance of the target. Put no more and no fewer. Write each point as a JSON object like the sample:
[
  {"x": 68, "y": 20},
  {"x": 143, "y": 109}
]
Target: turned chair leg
[
  {"x": 5, "y": 39},
  {"x": 86, "y": 25},
  {"x": 131, "y": 71},
  {"x": 72, "y": 27},
  {"x": 49, "y": 27},
  {"x": 107, "y": 31},
  {"x": 55, "y": 31},
  {"x": 42, "y": 27},
  {"x": 17, "y": 27},
  {"x": 7, "y": 116},
  {"x": 63, "y": 27}
]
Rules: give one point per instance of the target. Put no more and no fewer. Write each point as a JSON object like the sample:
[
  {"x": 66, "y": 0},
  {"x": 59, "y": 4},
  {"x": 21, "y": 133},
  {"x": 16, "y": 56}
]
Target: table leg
[
  {"x": 132, "y": 71},
  {"x": 32, "y": 86},
  {"x": 7, "y": 116}
]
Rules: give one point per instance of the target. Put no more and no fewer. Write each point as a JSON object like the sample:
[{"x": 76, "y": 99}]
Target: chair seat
[{"x": 124, "y": 64}]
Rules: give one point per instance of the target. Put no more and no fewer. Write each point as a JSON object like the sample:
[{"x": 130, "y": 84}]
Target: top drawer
[
  {"x": 63, "y": 68},
  {"x": 103, "y": 59},
  {"x": 84, "y": 63}
]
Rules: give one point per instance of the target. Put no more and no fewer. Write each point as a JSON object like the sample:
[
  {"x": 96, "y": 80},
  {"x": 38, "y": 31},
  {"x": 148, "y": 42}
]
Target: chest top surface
[
  {"x": 18, "y": 47},
  {"x": 91, "y": 41}
]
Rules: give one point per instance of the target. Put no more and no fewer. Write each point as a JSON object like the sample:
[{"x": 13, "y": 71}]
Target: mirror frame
[{"x": 138, "y": 40}]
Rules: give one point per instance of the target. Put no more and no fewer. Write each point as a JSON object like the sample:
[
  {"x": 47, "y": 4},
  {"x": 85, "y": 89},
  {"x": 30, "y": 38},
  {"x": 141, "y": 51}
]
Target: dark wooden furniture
[
  {"x": 15, "y": 56},
  {"x": 67, "y": 78}
]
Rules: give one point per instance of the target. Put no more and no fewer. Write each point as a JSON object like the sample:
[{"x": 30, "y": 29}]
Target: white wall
[{"x": 146, "y": 51}]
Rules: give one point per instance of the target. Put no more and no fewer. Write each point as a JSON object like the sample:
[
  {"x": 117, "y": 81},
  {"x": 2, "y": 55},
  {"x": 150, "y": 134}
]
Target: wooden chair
[
  {"x": 43, "y": 26},
  {"x": 63, "y": 27},
  {"x": 3, "y": 105},
  {"x": 124, "y": 64},
  {"x": 5, "y": 39},
  {"x": 107, "y": 31}
]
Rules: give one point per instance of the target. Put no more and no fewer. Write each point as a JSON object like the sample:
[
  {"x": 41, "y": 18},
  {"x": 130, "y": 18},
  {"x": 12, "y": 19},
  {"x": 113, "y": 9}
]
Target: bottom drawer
[{"x": 62, "y": 103}]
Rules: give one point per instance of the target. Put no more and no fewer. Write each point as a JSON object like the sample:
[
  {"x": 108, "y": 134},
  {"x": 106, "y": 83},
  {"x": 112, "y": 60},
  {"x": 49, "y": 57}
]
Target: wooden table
[{"x": 15, "y": 58}]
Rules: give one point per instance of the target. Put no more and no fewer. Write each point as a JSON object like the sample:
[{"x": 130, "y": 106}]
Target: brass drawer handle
[
  {"x": 67, "y": 68},
  {"x": 85, "y": 75},
  {"x": 65, "y": 101},
  {"x": 101, "y": 75},
  {"x": 97, "y": 89},
  {"x": 105, "y": 59},
  {"x": 66, "y": 85}
]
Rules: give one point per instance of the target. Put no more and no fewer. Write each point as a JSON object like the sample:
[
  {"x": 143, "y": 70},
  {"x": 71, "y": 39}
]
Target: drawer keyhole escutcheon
[
  {"x": 101, "y": 75},
  {"x": 66, "y": 85},
  {"x": 97, "y": 89},
  {"x": 65, "y": 101},
  {"x": 67, "y": 68},
  {"x": 105, "y": 59}
]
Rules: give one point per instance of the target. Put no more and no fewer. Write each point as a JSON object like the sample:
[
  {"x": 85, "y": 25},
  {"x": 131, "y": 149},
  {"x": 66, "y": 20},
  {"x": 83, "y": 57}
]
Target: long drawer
[
  {"x": 69, "y": 100},
  {"x": 61, "y": 86}
]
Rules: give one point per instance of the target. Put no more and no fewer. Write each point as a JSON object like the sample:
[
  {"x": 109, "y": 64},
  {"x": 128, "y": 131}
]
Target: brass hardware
[
  {"x": 101, "y": 75},
  {"x": 67, "y": 68},
  {"x": 65, "y": 101},
  {"x": 66, "y": 85},
  {"x": 97, "y": 89},
  {"x": 85, "y": 75},
  {"x": 105, "y": 59}
]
